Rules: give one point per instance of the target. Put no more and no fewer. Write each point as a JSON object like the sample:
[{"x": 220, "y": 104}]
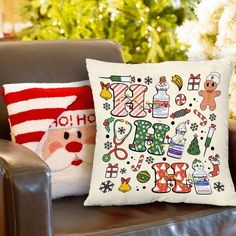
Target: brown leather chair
[{"x": 26, "y": 208}]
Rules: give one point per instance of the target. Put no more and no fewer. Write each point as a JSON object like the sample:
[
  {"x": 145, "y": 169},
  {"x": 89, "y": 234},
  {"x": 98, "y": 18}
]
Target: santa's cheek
[{"x": 54, "y": 146}]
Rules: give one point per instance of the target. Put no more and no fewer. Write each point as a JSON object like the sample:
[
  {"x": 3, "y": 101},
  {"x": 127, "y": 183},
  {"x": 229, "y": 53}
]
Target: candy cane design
[
  {"x": 201, "y": 116},
  {"x": 120, "y": 100},
  {"x": 140, "y": 161}
]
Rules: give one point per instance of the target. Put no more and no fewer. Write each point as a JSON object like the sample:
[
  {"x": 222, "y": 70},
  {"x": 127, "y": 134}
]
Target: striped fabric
[{"x": 33, "y": 107}]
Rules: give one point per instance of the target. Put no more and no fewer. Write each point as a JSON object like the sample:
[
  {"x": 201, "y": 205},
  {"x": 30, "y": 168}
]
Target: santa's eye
[
  {"x": 66, "y": 135},
  {"x": 208, "y": 84},
  {"x": 213, "y": 84},
  {"x": 79, "y": 134}
]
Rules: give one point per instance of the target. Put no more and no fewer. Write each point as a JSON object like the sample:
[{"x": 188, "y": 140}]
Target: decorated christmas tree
[
  {"x": 144, "y": 28},
  {"x": 213, "y": 35},
  {"x": 193, "y": 148}
]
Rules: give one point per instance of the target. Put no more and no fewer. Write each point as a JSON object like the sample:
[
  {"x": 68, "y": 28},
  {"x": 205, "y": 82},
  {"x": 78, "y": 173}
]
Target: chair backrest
[{"x": 49, "y": 61}]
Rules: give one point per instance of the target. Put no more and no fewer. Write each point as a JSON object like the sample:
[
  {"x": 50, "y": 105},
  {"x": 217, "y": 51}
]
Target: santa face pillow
[
  {"x": 57, "y": 121},
  {"x": 162, "y": 133}
]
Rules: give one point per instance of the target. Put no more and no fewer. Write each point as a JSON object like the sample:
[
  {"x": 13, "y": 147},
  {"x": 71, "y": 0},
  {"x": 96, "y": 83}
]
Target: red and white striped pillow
[{"x": 47, "y": 118}]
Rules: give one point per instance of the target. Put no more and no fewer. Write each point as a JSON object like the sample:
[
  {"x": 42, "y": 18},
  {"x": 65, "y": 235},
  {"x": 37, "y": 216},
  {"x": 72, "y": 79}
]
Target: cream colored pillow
[{"x": 162, "y": 133}]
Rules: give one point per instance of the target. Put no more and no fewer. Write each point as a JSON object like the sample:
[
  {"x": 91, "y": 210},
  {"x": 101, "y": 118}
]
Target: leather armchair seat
[{"x": 26, "y": 207}]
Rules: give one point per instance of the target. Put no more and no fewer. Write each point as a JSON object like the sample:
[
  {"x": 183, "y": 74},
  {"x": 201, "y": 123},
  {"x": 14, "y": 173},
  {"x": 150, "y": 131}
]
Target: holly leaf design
[
  {"x": 110, "y": 120},
  {"x": 107, "y": 128}
]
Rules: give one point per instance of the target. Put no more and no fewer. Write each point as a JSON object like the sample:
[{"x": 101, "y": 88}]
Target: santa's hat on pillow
[{"x": 34, "y": 108}]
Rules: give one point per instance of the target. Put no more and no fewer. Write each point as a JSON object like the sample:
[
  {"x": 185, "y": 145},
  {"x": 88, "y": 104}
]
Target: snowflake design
[
  {"x": 148, "y": 80},
  {"x": 218, "y": 186},
  {"x": 108, "y": 145},
  {"x": 212, "y": 117},
  {"x": 149, "y": 160},
  {"x": 194, "y": 126},
  {"x": 106, "y": 106},
  {"x": 106, "y": 186},
  {"x": 123, "y": 171},
  {"x": 121, "y": 130}
]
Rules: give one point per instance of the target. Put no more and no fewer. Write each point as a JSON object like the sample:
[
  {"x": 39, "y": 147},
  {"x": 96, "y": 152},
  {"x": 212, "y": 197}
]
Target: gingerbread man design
[{"x": 210, "y": 92}]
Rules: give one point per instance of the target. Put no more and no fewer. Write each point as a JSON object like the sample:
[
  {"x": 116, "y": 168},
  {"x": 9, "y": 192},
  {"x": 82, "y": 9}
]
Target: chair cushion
[{"x": 72, "y": 218}]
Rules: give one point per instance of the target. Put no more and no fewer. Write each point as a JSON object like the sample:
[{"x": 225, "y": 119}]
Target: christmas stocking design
[{"x": 216, "y": 163}]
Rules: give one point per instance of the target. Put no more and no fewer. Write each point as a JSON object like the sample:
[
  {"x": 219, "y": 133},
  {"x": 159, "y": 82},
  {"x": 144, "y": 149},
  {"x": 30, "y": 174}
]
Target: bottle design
[
  {"x": 177, "y": 142},
  {"x": 200, "y": 179},
  {"x": 161, "y": 100}
]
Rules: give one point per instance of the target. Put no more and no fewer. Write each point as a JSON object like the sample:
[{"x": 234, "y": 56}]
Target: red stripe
[
  {"x": 41, "y": 93},
  {"x": 29, "y": 137},
  {"x": 37, "y": 114},
  {"x": 84, "y": 100},
  {"x": 121, "y": 90}
]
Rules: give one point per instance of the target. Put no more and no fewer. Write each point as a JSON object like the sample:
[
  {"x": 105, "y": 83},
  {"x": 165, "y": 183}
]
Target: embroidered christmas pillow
[
  {"x": 57, "y": 121},
  {"x": 162, "y": 133}
]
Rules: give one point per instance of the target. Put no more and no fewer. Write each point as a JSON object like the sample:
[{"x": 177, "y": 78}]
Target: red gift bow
[{"x": 111, "y": 166}]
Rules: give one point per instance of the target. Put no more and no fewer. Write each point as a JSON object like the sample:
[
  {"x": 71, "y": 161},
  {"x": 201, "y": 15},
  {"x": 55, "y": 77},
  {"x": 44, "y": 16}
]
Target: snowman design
[{"x": 200, "y": 179}]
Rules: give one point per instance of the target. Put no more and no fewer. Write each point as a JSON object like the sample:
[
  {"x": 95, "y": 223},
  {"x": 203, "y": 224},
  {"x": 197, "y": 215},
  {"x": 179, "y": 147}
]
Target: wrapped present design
[
  {"x": 194, "y": 82},
  {"x": 112, "y": 171}
]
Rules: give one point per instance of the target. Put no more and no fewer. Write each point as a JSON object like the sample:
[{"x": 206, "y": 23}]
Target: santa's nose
[{"x": 74, "y": 147}]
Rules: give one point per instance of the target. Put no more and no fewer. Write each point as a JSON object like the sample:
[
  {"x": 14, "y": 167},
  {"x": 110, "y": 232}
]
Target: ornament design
[{"x": 143, "y": 176}]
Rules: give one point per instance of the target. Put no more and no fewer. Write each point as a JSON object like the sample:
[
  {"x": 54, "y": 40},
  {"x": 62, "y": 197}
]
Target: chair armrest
[
  {"x": 232, "y": 149},
  {"x": 25, "y": 194}
]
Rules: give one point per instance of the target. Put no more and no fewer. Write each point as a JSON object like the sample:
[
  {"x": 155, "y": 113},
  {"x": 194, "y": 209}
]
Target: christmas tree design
[{"x": 193, "y": 148}]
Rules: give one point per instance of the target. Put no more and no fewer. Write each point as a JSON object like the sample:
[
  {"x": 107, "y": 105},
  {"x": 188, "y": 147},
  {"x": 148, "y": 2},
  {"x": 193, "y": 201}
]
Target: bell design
[
  {"x": 124, "y": 187},
  {"x": 105, "y": 93}
]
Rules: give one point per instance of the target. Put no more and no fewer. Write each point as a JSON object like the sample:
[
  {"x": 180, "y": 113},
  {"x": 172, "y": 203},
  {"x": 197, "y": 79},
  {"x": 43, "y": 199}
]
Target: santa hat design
[{"x": 214, "y": 76}]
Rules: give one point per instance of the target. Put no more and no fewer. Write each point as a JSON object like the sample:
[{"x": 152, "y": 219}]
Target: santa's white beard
[{"x": 68, "y": 179}]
